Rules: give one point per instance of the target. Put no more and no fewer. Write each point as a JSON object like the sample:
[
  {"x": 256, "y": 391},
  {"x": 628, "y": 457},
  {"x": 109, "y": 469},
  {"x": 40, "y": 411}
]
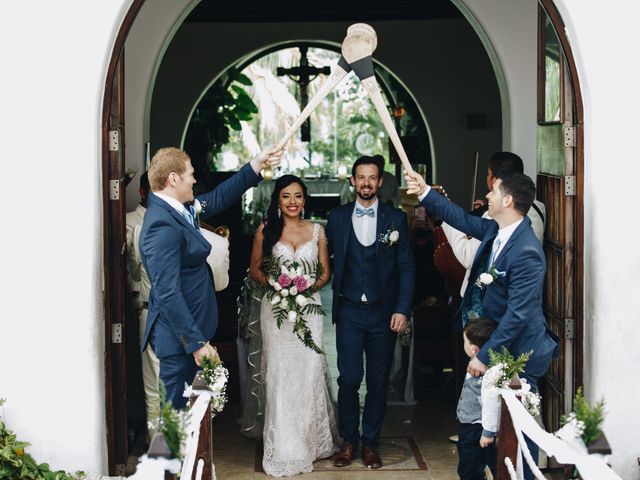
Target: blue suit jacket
[
  {"x": 515, "y": 299},
  {"x": 183, "y": 311},
  {"x": 396, "y": 270}
]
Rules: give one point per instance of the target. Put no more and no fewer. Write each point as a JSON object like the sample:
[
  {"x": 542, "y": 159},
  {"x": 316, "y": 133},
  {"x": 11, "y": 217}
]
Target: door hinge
[
  {"x": 114, "y": 141},
  {"x": 569, "y": 328},
  {"x": 570, "y": 186},
  {"x": 569, "y": 136},
  {"x": 114, "y": 189},
  {"x": 120, "y": 469},
  {"x": 116, "y": 333}
]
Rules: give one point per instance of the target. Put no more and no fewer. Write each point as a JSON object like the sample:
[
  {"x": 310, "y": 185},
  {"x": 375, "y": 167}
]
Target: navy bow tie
[{"x": 360, "y": 212}]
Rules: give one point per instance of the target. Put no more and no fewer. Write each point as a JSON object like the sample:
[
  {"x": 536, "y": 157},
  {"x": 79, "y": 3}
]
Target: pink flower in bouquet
[
  {"x": 300, "y": 283},
  {"x": 284, "y": 280}
]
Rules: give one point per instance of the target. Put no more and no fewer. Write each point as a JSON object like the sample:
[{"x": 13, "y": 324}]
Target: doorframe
[
  {"x": 578, "y": 356},
  {"x": 109, "y": 229}
]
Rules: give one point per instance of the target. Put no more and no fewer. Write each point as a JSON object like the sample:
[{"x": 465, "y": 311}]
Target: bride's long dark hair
[{"x": 273, "y": 223}]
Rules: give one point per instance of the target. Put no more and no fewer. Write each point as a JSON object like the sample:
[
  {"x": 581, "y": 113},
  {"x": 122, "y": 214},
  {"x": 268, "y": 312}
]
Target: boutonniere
[
  {"x": 199, "y": 208},
  {"x": 390, "y": 237},
  {"x": 488, "y": 277}
]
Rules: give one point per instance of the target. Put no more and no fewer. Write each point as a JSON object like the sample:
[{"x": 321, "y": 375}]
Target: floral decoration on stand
[
  {"x": 390, "y": 237},
  {"x": 488, "y": 277},
  {"x": 216, "y": 376},
  {"x": 584, "y": 422},
  {"x": 172, "y": 423},
  {"x": 503, "y": 367},
  {"x": 290, "y": 292}
]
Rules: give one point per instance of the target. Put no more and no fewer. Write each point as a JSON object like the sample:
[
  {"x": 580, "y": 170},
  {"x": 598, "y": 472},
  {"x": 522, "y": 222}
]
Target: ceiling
[{"x": 268, "y": 11}]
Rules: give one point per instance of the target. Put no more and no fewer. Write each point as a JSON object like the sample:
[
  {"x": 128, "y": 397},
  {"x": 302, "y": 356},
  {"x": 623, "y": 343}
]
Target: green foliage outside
[{"x": 16, "y": 463}]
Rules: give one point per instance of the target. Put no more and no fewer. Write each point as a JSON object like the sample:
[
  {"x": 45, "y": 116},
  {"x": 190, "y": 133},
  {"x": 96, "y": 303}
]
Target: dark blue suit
[
  {"x": 513, "y": 300},
  {"x": 183, "y": 313},
  {"x": 385, "y": 273}
]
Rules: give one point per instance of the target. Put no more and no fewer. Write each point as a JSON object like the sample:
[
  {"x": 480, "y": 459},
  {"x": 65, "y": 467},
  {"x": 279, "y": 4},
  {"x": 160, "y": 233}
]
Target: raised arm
[{"x": 255, "y": 269}]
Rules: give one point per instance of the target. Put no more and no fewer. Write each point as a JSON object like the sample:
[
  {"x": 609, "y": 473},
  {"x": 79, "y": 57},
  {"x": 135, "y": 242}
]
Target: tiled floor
[{"x": 430, "y": 423}]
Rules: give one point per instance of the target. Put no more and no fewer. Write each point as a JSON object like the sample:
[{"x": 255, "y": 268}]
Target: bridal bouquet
[{"x": 290, "y": 292}]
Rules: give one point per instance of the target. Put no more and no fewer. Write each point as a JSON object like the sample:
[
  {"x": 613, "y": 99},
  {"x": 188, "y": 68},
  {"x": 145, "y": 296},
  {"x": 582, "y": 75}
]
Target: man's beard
[{"x": 370, "y": 196}]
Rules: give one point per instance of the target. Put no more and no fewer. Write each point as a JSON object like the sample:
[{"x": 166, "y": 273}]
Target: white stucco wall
[
  {"x": 51, "y": 340},
  {"x": 53, "y": 57},
  {"x": 510, "y": 27},
  {"x": 605, "y": 40}
]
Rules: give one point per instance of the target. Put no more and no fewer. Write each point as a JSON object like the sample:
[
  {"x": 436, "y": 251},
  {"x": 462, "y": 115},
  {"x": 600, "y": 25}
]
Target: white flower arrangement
[
  {"x": 199, "y": 208},
  {"x": 216, "y": 376},
  {"x": 390, "y": 237},
  {"x": 488, "y": 277}
]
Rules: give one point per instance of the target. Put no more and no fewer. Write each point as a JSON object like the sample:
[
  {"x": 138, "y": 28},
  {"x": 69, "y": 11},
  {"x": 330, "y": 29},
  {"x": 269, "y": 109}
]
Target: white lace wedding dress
[{"x": 299, "y": 423}]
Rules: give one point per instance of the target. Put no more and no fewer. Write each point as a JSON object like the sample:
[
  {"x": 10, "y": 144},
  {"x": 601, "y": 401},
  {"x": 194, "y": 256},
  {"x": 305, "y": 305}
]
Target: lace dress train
[{"x": 299, "y": 423}]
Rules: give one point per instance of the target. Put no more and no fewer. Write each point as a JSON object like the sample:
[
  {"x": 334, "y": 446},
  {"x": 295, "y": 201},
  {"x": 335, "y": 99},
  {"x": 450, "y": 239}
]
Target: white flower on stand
[{"x": 292, "y": 316}]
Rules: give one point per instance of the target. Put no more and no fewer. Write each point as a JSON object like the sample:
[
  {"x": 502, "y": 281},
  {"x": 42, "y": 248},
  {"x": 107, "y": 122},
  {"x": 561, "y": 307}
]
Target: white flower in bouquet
[
  {"x": 284, "y": 292},
  {"x": 292, "y": 272},
  {"x": 284, "y": 270},
  {"x": 302, "y": 301},
  {"x": 292, "y": 316},
  {"x": 283, "y": 304},
  {"x": 486, "y": 278},
  {"x": 394, "y": 236},
  {"x": 307, "y": 278},
  {"x": 293, "y": 290},
  {"x": 271, "y": 282},
  {"x": 276, "y": 299},
  {"x": 299, "y": 272},
  {"x": 277, "y": 287}
]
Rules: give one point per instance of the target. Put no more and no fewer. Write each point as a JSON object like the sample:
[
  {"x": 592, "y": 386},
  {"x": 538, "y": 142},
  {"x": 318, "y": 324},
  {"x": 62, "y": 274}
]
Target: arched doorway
[{"x": 114, "y": 208}]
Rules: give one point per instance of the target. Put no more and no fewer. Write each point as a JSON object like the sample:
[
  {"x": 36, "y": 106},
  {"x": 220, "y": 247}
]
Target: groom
[{"x": 372, "y": 292}]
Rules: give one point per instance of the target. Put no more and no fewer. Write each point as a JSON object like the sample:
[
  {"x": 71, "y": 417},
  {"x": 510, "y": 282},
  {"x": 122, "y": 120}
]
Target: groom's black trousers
[{"x": 363, "y": 328}]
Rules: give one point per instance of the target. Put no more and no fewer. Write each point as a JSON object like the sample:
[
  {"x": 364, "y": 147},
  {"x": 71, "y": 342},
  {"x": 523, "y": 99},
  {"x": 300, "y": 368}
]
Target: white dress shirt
[
  {"x": 365, "y": 226},
  {"x": 172, "y": 201},
  {"x": 504, "y": 234}
]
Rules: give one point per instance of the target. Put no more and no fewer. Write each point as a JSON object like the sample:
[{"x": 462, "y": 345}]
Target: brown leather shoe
[
  {"x": 344, "y": 456},
  {"x": 370, "y": 458}
]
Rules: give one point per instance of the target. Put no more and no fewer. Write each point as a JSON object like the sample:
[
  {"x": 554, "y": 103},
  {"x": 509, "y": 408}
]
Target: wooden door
[
  {"x": 114, "y": 201},
  {"x": 556, "y": 185}
]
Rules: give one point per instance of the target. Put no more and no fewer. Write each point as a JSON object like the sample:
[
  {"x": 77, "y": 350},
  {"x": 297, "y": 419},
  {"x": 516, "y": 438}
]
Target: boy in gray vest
[{"x": 476, "y": 449}]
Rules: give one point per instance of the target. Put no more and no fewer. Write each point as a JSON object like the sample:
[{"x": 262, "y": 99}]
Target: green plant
[
  {"x": 16, "y": 463},
  {"x": 587, "y": 420},
  {"x": 220, "y": 110},
  {"x": 172, "y": 424}
]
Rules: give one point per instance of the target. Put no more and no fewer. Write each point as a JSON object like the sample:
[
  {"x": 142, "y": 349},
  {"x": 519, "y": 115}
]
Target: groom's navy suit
[
  {"x": 183, "y": 313},
  {"x": 513, "y": 299},
  {"x": 384, "y": 273}
]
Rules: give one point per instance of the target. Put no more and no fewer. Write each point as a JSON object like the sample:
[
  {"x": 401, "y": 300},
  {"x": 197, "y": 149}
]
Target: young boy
[{"x": 475, "y": 445}]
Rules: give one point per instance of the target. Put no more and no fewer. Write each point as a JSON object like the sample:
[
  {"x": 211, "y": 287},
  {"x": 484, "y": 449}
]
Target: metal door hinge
[
  {"x": 120, "y": 469},
  {"x": 114, "y": 189},
  {"x": 114, "y": 140},
  {"x": 569, "y": 136},
  {"x": 116, "y": 333},
  {"x": 570, "y": 186},
  {"x": 569, "y": 328}
]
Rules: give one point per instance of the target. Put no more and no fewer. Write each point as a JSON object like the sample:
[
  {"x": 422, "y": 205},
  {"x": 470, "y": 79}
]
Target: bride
[{"x": 299, "y": 422}]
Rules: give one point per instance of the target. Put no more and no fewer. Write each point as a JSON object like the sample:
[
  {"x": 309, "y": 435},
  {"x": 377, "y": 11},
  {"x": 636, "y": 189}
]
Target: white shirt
[
  {"x": 134, "y": 219},
  {"x": 504, "y": 234},
  {"x": 365, "y": 226},
  {"x": 172, "y": 201}
]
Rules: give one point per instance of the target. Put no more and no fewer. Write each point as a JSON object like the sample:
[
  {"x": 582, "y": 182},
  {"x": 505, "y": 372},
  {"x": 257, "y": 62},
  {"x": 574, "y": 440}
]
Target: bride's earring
[{"x": 279, "y": 213}]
